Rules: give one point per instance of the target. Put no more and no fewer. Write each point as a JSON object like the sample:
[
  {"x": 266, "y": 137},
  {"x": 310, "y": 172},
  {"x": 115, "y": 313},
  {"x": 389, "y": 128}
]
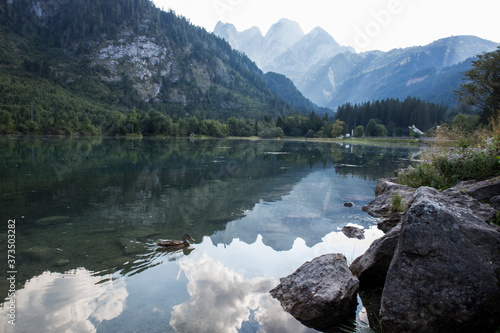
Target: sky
[{"x": 363, "y": 24}]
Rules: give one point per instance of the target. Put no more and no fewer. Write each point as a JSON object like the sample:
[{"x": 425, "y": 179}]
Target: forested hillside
[
  {"x": 82, "y": 66},
  {"x": 284, "y": 88}
]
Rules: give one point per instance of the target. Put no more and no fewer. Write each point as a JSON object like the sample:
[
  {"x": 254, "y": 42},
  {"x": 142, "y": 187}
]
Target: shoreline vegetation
[
  {"x": 456, "y": 156},
  {"x": 368, "y": 141}
]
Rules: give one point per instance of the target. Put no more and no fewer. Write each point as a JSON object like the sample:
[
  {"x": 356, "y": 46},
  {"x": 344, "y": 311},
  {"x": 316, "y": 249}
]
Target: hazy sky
[{"x": 363, "y": 24}]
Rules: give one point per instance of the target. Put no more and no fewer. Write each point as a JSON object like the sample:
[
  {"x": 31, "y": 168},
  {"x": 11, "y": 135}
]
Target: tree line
[
  {"x": 395, "y": 115},
  {"x": 84, "y": 118}
]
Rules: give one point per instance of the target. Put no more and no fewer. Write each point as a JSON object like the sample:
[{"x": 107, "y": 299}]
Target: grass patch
[{"x": 398, "y": 205}]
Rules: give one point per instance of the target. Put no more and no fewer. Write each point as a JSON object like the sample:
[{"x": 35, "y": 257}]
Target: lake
[{"x": 89, "y": 211}]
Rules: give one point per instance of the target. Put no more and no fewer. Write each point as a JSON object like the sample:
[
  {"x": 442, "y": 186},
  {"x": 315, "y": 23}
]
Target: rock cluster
[{"x": 437, "y": 268}]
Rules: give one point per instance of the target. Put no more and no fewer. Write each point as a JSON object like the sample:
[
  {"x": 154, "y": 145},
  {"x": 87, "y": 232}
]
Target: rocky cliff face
[{"x": 128, "y": 53}]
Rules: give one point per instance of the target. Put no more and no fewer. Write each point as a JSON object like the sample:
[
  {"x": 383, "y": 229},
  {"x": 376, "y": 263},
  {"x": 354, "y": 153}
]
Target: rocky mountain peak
[{"x": 285, "y": 31}]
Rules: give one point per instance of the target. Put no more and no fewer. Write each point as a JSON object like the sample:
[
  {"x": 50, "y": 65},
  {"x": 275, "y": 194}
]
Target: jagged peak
[
  {"x": 221, "y": 26},
  {"x": 285, "y": 25},
  {"x": 320, "y": 33}
]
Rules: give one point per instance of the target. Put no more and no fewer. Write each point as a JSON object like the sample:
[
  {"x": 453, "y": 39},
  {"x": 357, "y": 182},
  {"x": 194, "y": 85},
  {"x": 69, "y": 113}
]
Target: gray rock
[
  {"x": 460, "y": 199},
  {"x": 389, "y": 223},
  {"x": 482, "y": 191},
  {"x": 381, "y": 206},
  {"x": 444, "y": 276},
  {"x": 386, "y": 184},
  {"x": 321, "y": 293},
  {"x": 353, "y": 232},
  {"x": 371, "y": 270},
  {"x": 495, "y": 202}
]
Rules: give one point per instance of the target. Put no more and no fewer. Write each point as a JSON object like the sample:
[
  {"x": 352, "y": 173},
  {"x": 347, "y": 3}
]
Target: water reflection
[
  {"x": 260, "y": 208},
  {"x": 220, "y": 299},
  {"x": 69, "y": 302}
]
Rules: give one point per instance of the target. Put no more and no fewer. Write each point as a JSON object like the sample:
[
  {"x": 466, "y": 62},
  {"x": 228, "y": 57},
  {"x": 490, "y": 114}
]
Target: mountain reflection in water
[{"x": 89, "y": 211}]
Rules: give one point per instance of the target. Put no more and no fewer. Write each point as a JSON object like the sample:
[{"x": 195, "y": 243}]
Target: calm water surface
[{"x": 88, "y": 212}]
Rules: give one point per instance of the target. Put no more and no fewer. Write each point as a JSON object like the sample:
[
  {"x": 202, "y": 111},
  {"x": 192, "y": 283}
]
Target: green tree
[
  {"x": 338, "y": 128},
  {"x": 133, "y": 119},
  {"x": 483, "y": 85},
  {"x": 464, "y": 122},
  {"x": 380, "y": 130},
  {"x": 359, "y": 131},
  {"x": 371, "y": 128}
]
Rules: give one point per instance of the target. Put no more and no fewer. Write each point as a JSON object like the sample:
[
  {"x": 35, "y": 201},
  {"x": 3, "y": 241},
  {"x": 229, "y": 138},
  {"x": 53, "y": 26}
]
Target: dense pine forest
[{"x": 396, "y": 116}]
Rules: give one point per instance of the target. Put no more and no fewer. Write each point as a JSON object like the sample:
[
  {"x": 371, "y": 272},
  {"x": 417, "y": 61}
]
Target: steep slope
[
  {"x": 97, "y": 60},
  {"x": 284, "y": 88}
]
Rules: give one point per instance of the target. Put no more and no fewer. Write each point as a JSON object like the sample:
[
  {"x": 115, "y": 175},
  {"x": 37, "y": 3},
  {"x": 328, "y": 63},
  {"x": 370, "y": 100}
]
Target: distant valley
[{"x": 331, "y": 75}]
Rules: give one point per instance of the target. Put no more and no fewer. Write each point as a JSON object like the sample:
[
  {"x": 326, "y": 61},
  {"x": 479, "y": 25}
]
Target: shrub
[{"x": 443, "y": 169}]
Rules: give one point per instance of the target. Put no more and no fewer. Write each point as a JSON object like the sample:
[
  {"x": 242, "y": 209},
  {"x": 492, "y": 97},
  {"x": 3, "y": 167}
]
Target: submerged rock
[
  {"x": 444, "y": 276},
  {"x": 131, "y": 246},
  {"x": 52, "y": 220},
  {"x": 62, "y": 262},
  {"x": 38, "y": 253},
  {"x": 321, "y": 293},
  {"x": 353, "y": 232}
]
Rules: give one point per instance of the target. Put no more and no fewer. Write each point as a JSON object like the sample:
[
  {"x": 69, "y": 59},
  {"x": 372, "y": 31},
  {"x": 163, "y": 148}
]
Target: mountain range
[
  {"x": 83, "y": 64},
  {"x": 331, "y": 75}
]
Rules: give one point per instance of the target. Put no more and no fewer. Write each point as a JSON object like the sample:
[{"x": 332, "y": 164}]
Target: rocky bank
[{"x": 437, "y": 268}]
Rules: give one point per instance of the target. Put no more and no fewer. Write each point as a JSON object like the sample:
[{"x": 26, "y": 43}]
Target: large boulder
[
  {"x": 445, "y": 273},
  {"x": 321, "y": 293},
  {"x": 382, "y": 204}
]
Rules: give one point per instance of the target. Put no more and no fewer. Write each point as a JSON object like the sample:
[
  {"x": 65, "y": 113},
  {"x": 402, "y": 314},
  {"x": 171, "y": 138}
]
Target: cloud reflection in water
[
  {"x": 221, "y": 300},
  {"x": 70, "y": 302}
]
